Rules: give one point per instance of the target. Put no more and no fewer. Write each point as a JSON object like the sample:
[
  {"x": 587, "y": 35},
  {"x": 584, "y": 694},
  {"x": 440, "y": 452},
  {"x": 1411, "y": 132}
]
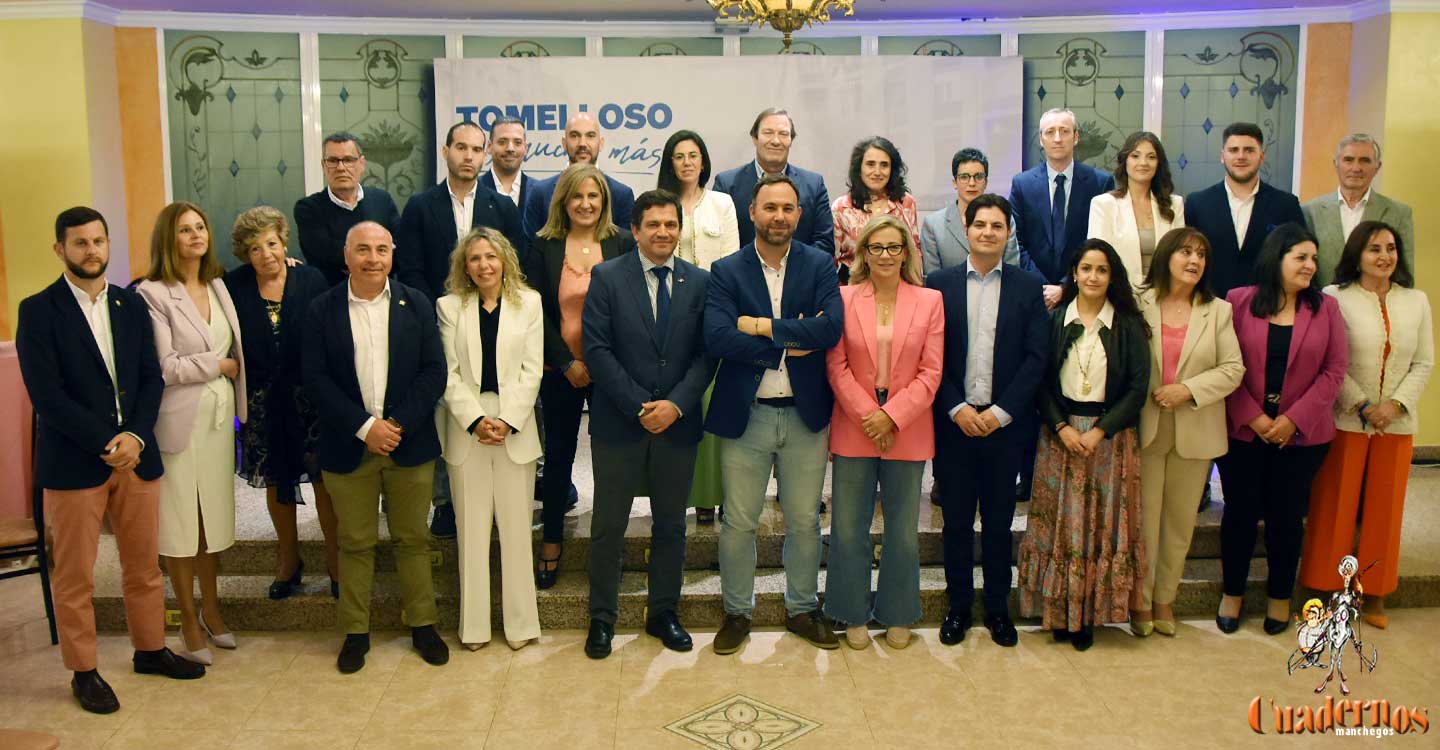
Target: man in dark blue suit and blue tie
[
  {"x": 645, "y": 348},
  {"x": 995, "y": 350},
  {"x": 582, "y": 143},
  {"x": 772, "y": 132}
]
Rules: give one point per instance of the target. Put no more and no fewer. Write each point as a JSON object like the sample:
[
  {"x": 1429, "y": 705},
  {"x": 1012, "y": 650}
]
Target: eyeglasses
[
  {"x": 331, "y": 162},
  {"x": 976, "y": 177},
  {"x": 885, "y": 249}
]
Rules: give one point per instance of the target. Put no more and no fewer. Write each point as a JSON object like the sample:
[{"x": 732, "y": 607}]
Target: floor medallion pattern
[{"x": 742, "y": 723}]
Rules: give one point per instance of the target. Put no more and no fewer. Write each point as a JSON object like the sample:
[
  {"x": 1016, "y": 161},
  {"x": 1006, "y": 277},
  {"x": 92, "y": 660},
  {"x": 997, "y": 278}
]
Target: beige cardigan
[
  {"x": 1412, "y": 354},
  {"x": 1210, "y": 366}
]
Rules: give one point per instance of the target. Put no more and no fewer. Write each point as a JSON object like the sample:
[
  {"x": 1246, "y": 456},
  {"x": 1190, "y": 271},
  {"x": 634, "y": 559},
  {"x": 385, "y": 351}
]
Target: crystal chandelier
[{"x": 785, "y": 16}]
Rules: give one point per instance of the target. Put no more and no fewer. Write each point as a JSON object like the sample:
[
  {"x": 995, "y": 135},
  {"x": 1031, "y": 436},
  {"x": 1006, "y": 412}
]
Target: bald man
[
  {"x": 374, "y": 368},
  {"x": 583, "y": 143}
]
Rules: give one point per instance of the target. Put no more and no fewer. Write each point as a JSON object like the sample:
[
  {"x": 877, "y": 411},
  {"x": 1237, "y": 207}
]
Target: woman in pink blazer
[
  {"x": 884, "y": 372},
  {"x": 1292, "y": 341},
  {"x": 197, "y": 338}
]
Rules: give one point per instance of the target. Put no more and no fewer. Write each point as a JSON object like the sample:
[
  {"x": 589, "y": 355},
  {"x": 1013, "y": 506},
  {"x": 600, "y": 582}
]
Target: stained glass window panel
[
  {"x": 501, "y": 46},
  {"x": 233, "y": 104},
  {"x": 664, "y": 47},
  {"x": 1101, "y": 77},
  {"x": 767, "y": 45},
  {"x": 941, "y": 46},
  {"x": 1214, "y": 77}
]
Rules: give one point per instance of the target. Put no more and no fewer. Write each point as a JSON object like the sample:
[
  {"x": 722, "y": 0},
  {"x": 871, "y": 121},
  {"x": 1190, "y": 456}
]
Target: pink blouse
[
  {"x": 574, "y": 285},
  {"x": 1172, "y": 340},
  {"x": 884, "y": 335},
  {"x": 849, "y": 220}
]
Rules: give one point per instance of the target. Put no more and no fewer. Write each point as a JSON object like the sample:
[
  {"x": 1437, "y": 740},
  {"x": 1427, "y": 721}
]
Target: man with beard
[
  {"x": 772, "y": 311},
  {"x": 87, "y": 355},
  {"x": 1239, "y": 212},
  {"x": 582, "y": 143},
  {"x": 507, "y": 156},
  {"x": 773, "y": 132}
]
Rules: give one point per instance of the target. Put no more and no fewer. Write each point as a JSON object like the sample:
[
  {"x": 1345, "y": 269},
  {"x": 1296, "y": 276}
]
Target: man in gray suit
[
  {"x": 942, "y": 234},
  {"x": 1334, "y": 215}
]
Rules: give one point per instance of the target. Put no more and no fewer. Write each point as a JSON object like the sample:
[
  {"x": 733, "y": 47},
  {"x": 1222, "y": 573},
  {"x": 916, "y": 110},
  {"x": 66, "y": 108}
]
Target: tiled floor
[{"x": 282, "y": 691}]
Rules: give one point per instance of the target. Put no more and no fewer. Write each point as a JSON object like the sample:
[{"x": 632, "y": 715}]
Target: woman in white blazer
[
  {"x": 197, "y": 338},
  {"x": 1141, "y": 209},
  {"x": 1195, "y": 363},
  {"x": 490, "y": 324},
  {"x": 708, "y": 232}
]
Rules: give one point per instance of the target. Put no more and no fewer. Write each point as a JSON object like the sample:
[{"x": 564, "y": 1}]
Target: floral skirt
[
  {"x": 279, "y": 442},
  {"x": 1083, "y": 551}
]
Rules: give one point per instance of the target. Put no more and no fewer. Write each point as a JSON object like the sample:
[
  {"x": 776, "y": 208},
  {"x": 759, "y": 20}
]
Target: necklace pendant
[
  {"x": 585, "y": 250},
  {"x": 1085, "y": 388}
]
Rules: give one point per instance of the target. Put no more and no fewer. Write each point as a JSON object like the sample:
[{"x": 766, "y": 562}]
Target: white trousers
[{"x": 490, "y": 487}]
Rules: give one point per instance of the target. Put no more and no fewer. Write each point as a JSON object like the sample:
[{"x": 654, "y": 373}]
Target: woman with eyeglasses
[
  {"x": 884, "y": 372},
  {"x": 943, "y": 241},
  {"x": 877, "y": 188}
]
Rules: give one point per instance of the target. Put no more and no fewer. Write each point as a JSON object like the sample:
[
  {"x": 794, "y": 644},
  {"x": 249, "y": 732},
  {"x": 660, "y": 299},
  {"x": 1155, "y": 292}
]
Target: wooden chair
[{"x": 25, "y": 537}]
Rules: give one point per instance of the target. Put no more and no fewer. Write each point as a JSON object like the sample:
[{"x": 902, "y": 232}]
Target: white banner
[{"x": 928, "y": 106}]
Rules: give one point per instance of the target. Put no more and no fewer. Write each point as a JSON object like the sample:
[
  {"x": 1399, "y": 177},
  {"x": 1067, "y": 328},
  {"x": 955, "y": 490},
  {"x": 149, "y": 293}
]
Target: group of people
[{"x": 1092, "y": 334}]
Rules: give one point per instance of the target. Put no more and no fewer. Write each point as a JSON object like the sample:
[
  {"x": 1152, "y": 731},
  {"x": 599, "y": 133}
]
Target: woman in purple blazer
[{"x": 1292, "y": 340}]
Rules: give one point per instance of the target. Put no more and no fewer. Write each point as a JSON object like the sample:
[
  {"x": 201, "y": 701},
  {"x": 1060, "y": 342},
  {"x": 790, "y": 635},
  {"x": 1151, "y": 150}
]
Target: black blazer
[
  {"x": 487, "y": 178},
  {"x": 542, "y": 270},
  {"x": 631, "y": 362},
  {"x": 268, "y": 358},
  {"x": 426, "y": 235},
  {"x": 416, "y": 378},
  {"x": 1127, "y": 371},
  {"x": 71, "y": 389},
  {"x": 1232, "y": 266},
  {"x": 1018, "y": 362}
]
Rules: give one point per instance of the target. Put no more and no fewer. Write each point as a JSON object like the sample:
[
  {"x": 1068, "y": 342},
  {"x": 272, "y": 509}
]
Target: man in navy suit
[
  {"x": 507, "y": 156},
  {"x": 87, "y": 355},
  {"x": 644, "y": 344},
  {"x": 582, "y": 143},
  {"x": 995, "y": 350},
  {"x": 772, "y": 312},
  {"x": 1239, "y": 212},
  {"x": 772, "y": 133},
  {"x": 374, "y": 368}
]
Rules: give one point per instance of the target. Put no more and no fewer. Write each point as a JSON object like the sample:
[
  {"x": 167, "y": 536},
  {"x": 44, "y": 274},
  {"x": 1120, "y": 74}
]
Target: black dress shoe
[
  {"x": 93, "y": 693},
  {"x": 442, "y": 525},
  {"x": 1276, "y": 627},
  {"x": 168, "y": 663},
  {"x": 1061, "y": 635},
  {"x": 1002, "y": 630},
  {"x": 668, "y": 629},
  {"x": 952, "y": 629},
  {"x": 431, "y": 646},
  {"x": 597, "y": 643},
  {"x": 352, "y": 654},
  {"x": 1083, "y": 639},
  {"x": 283, "y": 589}
]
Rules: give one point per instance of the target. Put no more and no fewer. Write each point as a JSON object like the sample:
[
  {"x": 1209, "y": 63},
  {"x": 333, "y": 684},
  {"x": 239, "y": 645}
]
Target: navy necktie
[
  {"x": 662, "y": 303},
  {"x": 1057, "y": 217}
]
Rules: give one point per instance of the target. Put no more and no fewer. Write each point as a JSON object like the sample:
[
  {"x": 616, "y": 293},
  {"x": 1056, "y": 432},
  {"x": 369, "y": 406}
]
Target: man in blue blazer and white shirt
[
  {"x": 1052, "y": 202},
  {"x": 507, "y": 155},
  {"x": 645, "y": 347},
  {"x": 772, "y": 133},
  {"x": 1239, "y": 212},
  {"x": 583, "y": 143},
  {"x": 996, "y": 345},
  {"x": 772, "y": 312}
]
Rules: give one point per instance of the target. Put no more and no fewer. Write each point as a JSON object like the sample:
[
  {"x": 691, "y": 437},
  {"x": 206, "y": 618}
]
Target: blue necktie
[
  {"x": 1057, "y": 218},
  {"x": 662, "y": 304}
]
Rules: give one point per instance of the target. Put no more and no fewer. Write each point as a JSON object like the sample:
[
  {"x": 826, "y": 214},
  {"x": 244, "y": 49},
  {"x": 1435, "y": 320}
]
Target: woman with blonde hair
[
  {"x": 198, "y": 341},
  {"x": 490, "y": 325},
  {"x": 884, "y": 372},
  {"x": 577, "y": 236}
]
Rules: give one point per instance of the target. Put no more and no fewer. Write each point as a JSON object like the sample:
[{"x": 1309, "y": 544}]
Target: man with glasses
[
  {"x": 942, "y": 233},
  {"x": 323, "y": 219},
  {"x": 772, "y": 133}
]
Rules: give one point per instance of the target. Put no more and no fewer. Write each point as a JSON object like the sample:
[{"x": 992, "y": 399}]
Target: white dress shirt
[
  {"x": 513, "y": 193},
  {"x": 1050, "y": 175},
  {"x": 1086, "y": 354},
  {"x": 652, "y": 282},
  {"x": 359, "y": 196},
  {"x": 464, "y": 208},
  {"x": 370, "y": 328},
  {"x": 775, "y": 383},
  {"x": 1241, "y": 206},
  {"x": 1351, "y": 217}
]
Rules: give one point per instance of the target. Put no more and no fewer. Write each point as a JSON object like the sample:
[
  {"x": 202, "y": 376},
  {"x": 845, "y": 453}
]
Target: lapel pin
[{"x": 402, "y": 303}]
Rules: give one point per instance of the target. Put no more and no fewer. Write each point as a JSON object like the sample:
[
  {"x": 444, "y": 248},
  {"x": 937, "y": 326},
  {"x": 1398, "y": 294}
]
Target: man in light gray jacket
[{"x": 1334, "y": 215}]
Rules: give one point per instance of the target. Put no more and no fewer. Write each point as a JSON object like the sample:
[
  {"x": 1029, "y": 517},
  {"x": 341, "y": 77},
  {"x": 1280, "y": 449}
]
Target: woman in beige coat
[{"x": 1194, "y": 364}]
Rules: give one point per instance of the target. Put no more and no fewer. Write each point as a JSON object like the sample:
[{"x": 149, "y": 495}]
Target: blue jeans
[
  {"x": 775, "y": 437},
  {"x": 847, "y": 584}
]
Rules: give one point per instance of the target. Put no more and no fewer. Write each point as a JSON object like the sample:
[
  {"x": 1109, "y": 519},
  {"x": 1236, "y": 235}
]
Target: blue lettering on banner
[
  {"x": 637, "y": 154},
  {"x": 554, "y": 117}
]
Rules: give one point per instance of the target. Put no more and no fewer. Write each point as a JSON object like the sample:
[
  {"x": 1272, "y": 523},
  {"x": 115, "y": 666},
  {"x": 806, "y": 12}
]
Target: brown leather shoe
[
  {"x": 808, "y": 626},
  {"x": 732, "y": 635}
]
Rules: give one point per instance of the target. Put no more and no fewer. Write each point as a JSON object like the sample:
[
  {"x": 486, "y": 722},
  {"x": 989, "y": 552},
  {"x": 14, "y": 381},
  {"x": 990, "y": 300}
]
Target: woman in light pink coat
[
  {"x": 884, "y": 372},
  {"x": 197, "y": 338}
]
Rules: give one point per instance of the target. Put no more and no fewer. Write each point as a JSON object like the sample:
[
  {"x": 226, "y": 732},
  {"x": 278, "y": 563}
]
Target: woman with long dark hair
[
  {"x": 1143, "y": 206},
  {"x": 1292, "y": 341},
  {"x": 1083, "y": 552},
  {"x": 876, "y": 187}
]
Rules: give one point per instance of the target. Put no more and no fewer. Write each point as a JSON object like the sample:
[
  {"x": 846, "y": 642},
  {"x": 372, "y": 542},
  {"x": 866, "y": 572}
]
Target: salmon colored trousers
[{"x": 1363, "y": 478}]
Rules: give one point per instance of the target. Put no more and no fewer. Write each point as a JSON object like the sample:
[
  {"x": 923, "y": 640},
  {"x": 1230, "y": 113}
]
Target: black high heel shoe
[
  {"x": 1229, "y": 624},
  {"x": 548, "y": 569},
  {"x": 283, "y": 589}
]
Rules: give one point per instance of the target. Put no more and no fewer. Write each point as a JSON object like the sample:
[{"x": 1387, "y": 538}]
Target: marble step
[{"x": 247, "y": 607}]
